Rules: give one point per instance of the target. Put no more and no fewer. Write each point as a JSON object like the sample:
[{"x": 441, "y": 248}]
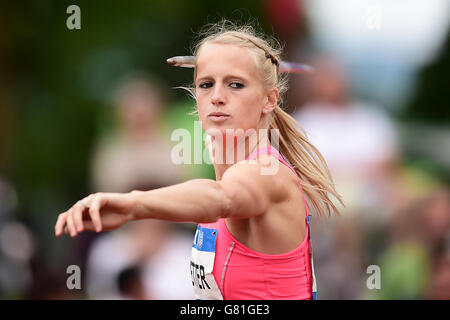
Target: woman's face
[{"x": 228, "y": 87}]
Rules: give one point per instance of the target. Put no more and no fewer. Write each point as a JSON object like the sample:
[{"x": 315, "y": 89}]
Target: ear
[{"x": 271, "y": 99}]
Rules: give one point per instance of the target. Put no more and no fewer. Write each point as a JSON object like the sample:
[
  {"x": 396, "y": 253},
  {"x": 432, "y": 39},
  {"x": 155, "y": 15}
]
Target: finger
[
  {"x": 78, "y": 216},
  {"x": 89, "y": 225},
  {"x": 60, "y": 224},
  {"x": 70, "y": 224},
  {"x": 94, "y": 212}
]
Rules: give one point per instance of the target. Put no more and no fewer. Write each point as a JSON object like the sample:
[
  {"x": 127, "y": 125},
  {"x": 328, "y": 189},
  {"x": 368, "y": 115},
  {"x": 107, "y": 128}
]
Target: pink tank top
[{"x": 224, "y": 268}]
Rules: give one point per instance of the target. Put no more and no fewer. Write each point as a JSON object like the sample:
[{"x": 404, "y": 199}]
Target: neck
[{"x": 239, "y": 149}]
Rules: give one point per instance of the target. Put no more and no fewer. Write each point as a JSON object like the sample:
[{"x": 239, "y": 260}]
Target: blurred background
[{"x": 92, "y": 109}]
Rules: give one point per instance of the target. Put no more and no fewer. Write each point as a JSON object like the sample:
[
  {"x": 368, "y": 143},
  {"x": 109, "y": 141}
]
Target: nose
[{"x": 218, "y": 96}]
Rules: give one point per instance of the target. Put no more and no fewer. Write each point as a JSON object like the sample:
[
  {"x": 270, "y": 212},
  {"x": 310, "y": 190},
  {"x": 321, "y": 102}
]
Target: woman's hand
[{"x": 97, "y": 212}]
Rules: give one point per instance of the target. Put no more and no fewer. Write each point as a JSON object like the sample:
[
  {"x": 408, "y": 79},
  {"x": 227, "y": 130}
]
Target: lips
[{"x": 218, "y": 116}]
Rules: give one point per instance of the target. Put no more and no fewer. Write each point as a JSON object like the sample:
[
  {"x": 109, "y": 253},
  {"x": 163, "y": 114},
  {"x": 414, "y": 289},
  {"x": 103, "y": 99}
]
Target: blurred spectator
[
  {"x": 439, "y": 288},
  {"x": 162, "y": 253},
  {"x": 137, "y": 154},
  {"x": 130, "y": 283},
  {"x": 359, "y": 144},
  {"x": 17, "y": 246},
  {"x": 415, "y": 263},
  {"x": 404, "y": 263},
  {"x": 138, "y": 157},
  {"x": 436, "y": 221},
  {"x": 358, "y": 141}
]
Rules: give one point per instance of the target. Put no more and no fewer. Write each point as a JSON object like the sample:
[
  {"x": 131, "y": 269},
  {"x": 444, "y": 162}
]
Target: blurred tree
[
  {"x": 430, "y": 101},
  {"x": 63, "y": 79}
]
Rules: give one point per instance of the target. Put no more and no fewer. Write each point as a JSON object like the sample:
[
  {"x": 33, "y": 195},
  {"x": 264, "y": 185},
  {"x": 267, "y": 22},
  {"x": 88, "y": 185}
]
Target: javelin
[{"x": 285, "y": 66}]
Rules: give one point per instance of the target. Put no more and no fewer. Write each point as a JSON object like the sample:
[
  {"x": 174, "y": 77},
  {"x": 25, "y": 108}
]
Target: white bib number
[{"x": 202, "y": 264}]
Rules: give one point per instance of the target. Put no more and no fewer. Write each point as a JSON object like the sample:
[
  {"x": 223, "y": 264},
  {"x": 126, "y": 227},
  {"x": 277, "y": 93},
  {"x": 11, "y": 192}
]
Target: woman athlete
[{"x": 252, "y": 239}]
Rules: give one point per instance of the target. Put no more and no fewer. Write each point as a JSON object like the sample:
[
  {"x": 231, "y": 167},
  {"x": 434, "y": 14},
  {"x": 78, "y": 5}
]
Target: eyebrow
[{"x": 227, "y": 77}]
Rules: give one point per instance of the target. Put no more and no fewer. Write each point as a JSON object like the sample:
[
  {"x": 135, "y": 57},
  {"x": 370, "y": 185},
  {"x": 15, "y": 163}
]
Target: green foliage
[
  {"x": 63, "y": 79},
  {"x": 431, "y": 99}
]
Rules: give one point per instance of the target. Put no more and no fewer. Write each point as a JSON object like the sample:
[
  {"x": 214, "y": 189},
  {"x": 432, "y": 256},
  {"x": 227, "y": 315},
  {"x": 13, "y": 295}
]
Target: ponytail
[{"x": 306, "y": 160}]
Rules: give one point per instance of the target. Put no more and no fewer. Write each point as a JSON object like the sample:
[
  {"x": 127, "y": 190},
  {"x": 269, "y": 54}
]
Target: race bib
[{"x": 202, "y": 264}]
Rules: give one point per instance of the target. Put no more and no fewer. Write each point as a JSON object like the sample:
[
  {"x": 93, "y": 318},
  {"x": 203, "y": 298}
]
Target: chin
[
  {"x": 220, "y": 126},
  {"x": 219, "y": 130}
]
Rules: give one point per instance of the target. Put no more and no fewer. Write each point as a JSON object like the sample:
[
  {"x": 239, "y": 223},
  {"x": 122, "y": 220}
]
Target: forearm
[{"x": 198, "y": 200}]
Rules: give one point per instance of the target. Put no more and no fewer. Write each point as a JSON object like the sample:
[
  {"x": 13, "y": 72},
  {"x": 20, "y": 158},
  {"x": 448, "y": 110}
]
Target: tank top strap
[
  {"x": 274, "y": 152},
  {"x": 260, "y": 150}
]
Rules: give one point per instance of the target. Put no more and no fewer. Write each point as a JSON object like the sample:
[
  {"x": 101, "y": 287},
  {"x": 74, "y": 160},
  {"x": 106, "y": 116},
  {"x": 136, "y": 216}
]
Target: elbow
[{"x": 224, "y": 199}]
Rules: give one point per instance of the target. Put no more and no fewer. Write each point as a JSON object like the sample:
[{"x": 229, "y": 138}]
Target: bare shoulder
[{"x": 268, "y": 173}]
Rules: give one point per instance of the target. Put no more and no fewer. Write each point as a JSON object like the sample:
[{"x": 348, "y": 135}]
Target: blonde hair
[{"x": 304, "y": 157}]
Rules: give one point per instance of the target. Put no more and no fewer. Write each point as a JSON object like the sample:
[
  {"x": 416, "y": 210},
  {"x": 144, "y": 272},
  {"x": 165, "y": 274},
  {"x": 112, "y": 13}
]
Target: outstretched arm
[
  {"x": 198, "y": 200},
  {"x": 242, "y": 193}
]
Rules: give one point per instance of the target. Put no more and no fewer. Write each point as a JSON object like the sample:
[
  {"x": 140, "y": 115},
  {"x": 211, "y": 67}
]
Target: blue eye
[
  {"x": 236, "y": 85},
  {"x": 205, "y": 85}
]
